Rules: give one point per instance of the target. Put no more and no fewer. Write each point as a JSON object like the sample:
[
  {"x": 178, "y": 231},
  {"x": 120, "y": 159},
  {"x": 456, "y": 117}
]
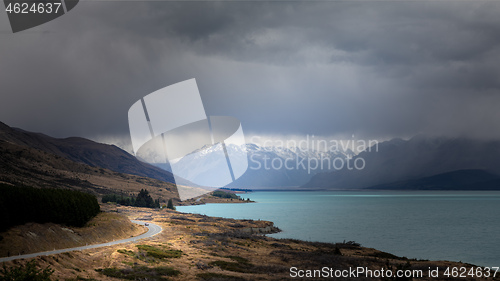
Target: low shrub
[
  {"x": 140, "y": 273},
  {"x": 29, "y": 271},
  {"x": 159, "y": 253}
]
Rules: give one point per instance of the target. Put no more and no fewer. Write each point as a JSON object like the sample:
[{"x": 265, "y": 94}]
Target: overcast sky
[{"x": 376, "y": 69}]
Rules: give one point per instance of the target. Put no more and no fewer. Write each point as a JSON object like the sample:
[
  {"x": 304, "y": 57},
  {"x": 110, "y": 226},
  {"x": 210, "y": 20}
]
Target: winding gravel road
[{"x": 153, "y": 229}]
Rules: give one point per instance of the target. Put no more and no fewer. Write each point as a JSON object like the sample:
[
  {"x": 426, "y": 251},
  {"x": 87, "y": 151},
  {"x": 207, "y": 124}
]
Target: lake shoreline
[
  {"x": 214, "y": 248},
  {"x": 391, "y": 224}
]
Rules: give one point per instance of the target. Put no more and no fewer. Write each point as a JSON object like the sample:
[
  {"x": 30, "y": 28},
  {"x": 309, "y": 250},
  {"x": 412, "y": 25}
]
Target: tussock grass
[
  {"x": 159, "y": 253},
  {"x": 126, "y": 252},
  {"x": 210, "y": 276},
  {"x": 242, "y": 265},
  {"x": 140, "y": 273}
]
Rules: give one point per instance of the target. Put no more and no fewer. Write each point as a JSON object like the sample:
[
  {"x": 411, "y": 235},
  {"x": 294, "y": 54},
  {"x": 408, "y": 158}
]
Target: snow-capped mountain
[{"x": 269, "y": 167}]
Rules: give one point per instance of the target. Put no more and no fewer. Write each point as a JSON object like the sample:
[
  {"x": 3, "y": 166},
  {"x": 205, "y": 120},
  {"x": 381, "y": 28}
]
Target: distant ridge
[
  {"x": 456, "y": 180},
  {"x": 85, "y": 151},
  {"x": 420, "y": 157}
]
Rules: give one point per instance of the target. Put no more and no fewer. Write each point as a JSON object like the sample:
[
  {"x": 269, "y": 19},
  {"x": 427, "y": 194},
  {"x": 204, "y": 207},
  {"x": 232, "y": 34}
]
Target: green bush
[
  {"x": 140, "y": 272},
  {"x": 240, "y": 264},
  {"x": 159, "y": 253},
  {"x": 126, "y": 252}
]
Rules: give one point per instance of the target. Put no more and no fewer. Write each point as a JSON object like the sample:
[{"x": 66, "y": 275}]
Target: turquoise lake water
[{"x": 457, "y": 226}]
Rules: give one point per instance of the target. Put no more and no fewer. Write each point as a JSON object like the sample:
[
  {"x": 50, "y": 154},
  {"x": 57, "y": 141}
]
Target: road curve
[{"x": 153, "y": 229}]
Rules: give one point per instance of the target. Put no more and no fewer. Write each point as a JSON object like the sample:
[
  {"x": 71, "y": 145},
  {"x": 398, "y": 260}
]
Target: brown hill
[
  {"x": 85, "y": 151},
  {"x": 23, "y": 165},
  {"x": 35, "y": 237}
]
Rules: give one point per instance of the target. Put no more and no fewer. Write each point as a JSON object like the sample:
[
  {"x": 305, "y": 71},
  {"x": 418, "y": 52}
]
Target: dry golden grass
[
  {"x": 205, "y": 248},
  {"x": 34, "y": 237}
]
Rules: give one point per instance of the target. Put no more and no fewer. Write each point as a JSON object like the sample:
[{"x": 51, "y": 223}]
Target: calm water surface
[{"x": 458, "y": 226}]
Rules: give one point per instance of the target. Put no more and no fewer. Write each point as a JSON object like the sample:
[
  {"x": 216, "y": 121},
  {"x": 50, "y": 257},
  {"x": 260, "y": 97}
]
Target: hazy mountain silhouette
[
  {"x": 456, "y": 180},
  {"x": 404, "y": 160}
]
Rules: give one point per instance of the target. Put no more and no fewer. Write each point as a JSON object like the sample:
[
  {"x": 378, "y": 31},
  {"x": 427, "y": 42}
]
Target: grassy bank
[
  {"x": 197, "y": 247},
  {"x": 35, "y": 237}
]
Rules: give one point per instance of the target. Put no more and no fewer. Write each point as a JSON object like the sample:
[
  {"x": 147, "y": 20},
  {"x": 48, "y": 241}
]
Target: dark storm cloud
[{"x": 377, "y": 69}]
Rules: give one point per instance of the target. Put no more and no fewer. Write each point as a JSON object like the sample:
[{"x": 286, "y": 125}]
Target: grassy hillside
[
  {"x": 37, "y": 237},
  {"x": 85, "y": 151},
  {"x": 21, "y": 165}
]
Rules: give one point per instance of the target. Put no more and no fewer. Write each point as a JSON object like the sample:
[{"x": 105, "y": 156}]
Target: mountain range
[
  {"x": 283, "y": 167},
  {"x": 456, "y": 180},
  {"x": 421, "y": 162},
  {"x": 268, "y": 167},
  {"x": 397, "y": 161}
]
